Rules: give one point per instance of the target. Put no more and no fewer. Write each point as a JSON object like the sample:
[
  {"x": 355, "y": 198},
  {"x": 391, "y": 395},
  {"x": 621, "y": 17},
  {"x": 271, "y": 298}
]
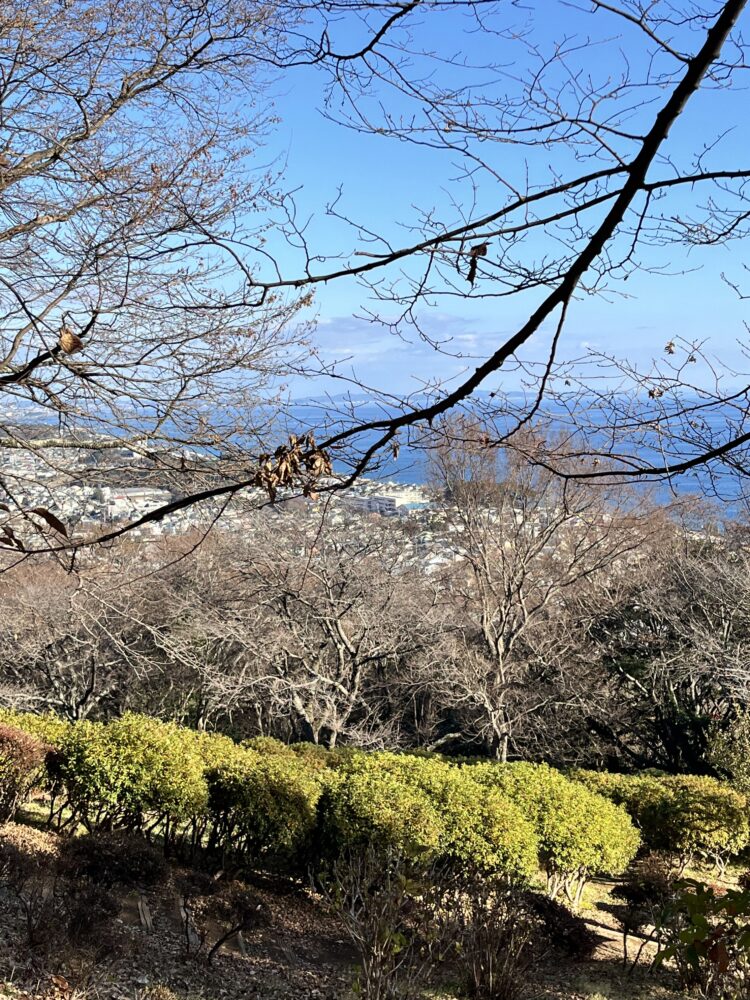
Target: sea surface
[{"x": 719, "y": 482}]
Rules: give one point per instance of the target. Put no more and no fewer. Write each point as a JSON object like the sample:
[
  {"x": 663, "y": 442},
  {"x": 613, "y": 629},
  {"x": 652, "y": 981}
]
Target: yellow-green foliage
[
  {"x": 428, "y": 808},
  {"x": 686, "y": 815},
  {"x": 580, "y": 833},
  {"x": 483, "y": 827},
  {"x": 268, "y": 745},
  {"x": 262, "y": 804},
  {"x": 271, "y": 802},
  {"x": 131, "y": 769},
  {"x": 367, "y": 803},
  {"x": 214, "y": 749},
  {"x": 49, "y": 728},
  {"x": 317, "y": 758}
]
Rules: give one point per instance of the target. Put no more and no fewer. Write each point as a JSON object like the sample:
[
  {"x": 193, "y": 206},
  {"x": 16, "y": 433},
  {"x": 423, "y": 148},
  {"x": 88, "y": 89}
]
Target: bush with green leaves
[
  {"x": 705, "y": 935},
  {"x": 268, "y": 745},
  {"x": 49, "y": 728},
  {"x": 580, "y": 833},
  {"x": 687, "y": 816},
  {"x": 132, "y": 773},
  {"x": 367, "y": 805},
  {"x": 427, "y": 809},
  {"x": 265, "y": 802},
  {"x": 262, "y": 805},
  {"x": 319, "y": 758},
  {"x": 483, "y": 828},
  {"x": 22, "y": 759}
]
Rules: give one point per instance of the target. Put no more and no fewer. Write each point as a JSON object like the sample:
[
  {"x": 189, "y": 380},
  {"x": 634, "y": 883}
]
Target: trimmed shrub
[
  {"x": 49, "y": 728},
  {"x": 482, "y": 827},
  {"x": 685, "y": 815},
  {"x": 264, "y": 806},
  {"x": 320, "y": 759},
  {"x": 22, "y": 758},
  {"x": 366, "y": 804},
  {"x": 267, "y": 745},
  {"x": 580, "y": 833},
  {"x": 427, "y": 809},
  {"x": 132, "y": 773}
]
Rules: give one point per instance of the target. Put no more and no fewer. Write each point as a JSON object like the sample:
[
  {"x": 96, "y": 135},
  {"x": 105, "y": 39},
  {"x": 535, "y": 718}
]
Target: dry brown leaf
[
  {"x": 52, "y": 521},
  {"x": 70, "y": 342}
]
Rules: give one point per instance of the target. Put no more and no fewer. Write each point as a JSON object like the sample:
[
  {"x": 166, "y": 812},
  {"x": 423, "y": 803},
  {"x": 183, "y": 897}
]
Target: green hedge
[
  {"x": 270, "y": 804},
  {"x": 580, "y": 832},
  {"x": 427, "y": 809},
  {"x": 131, "y": 773},
  {"x": 365, "y": 803},
  {"x": 48, "y": 728},
  {"x": 687, "y": 816},
  {"x": 481, "y": 828},
  {"x": 263, "y": 805}
]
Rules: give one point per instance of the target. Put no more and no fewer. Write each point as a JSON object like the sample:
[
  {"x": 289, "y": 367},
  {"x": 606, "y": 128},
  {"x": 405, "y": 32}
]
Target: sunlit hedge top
[
  {"x": 578, "y": 830},
  {"x": 467, "y": 823},
  {"x": 134, "y": 766},
  {"x": 683, "y": 814}
]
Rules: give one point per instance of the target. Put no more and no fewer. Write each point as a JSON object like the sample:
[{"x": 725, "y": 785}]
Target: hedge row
[
  {"x": 579, "y": 834},
  {"x": 269, "y": 804},
  {"x": 687, "y": 816}
]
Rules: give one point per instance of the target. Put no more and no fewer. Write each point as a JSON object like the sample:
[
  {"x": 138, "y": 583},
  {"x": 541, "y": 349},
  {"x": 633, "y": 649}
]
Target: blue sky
[{"x": 384, "y": 183}]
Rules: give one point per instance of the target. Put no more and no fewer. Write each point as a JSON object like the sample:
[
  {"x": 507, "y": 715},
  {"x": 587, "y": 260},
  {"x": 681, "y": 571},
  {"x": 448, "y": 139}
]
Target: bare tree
[
  {"x": 63, "y": 648},
  {"x": 128, "y": 173},
  {"x": 344, "y": 612},
  {"x": 527, "y": 544},
  {"x": 675, "y": 645}
]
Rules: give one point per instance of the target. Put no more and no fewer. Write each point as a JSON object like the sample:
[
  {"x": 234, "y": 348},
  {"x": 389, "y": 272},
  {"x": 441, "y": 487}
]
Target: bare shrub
[
  {"x": 377, "y": 894},
  {"x": 648, "y": 892},
  {"x": 89, "y": 909},
  {"x": 492, "y": 931},
  {"x": 29, "y": 867},
  {"x": 195, "y": 889},
  {"x": 58, "y": 900},
  {"x": 239, "y": 911}
]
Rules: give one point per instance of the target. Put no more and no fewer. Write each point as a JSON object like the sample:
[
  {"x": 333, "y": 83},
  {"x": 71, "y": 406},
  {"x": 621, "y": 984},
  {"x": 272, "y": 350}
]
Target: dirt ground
[{"x": 300, "y": 955}]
